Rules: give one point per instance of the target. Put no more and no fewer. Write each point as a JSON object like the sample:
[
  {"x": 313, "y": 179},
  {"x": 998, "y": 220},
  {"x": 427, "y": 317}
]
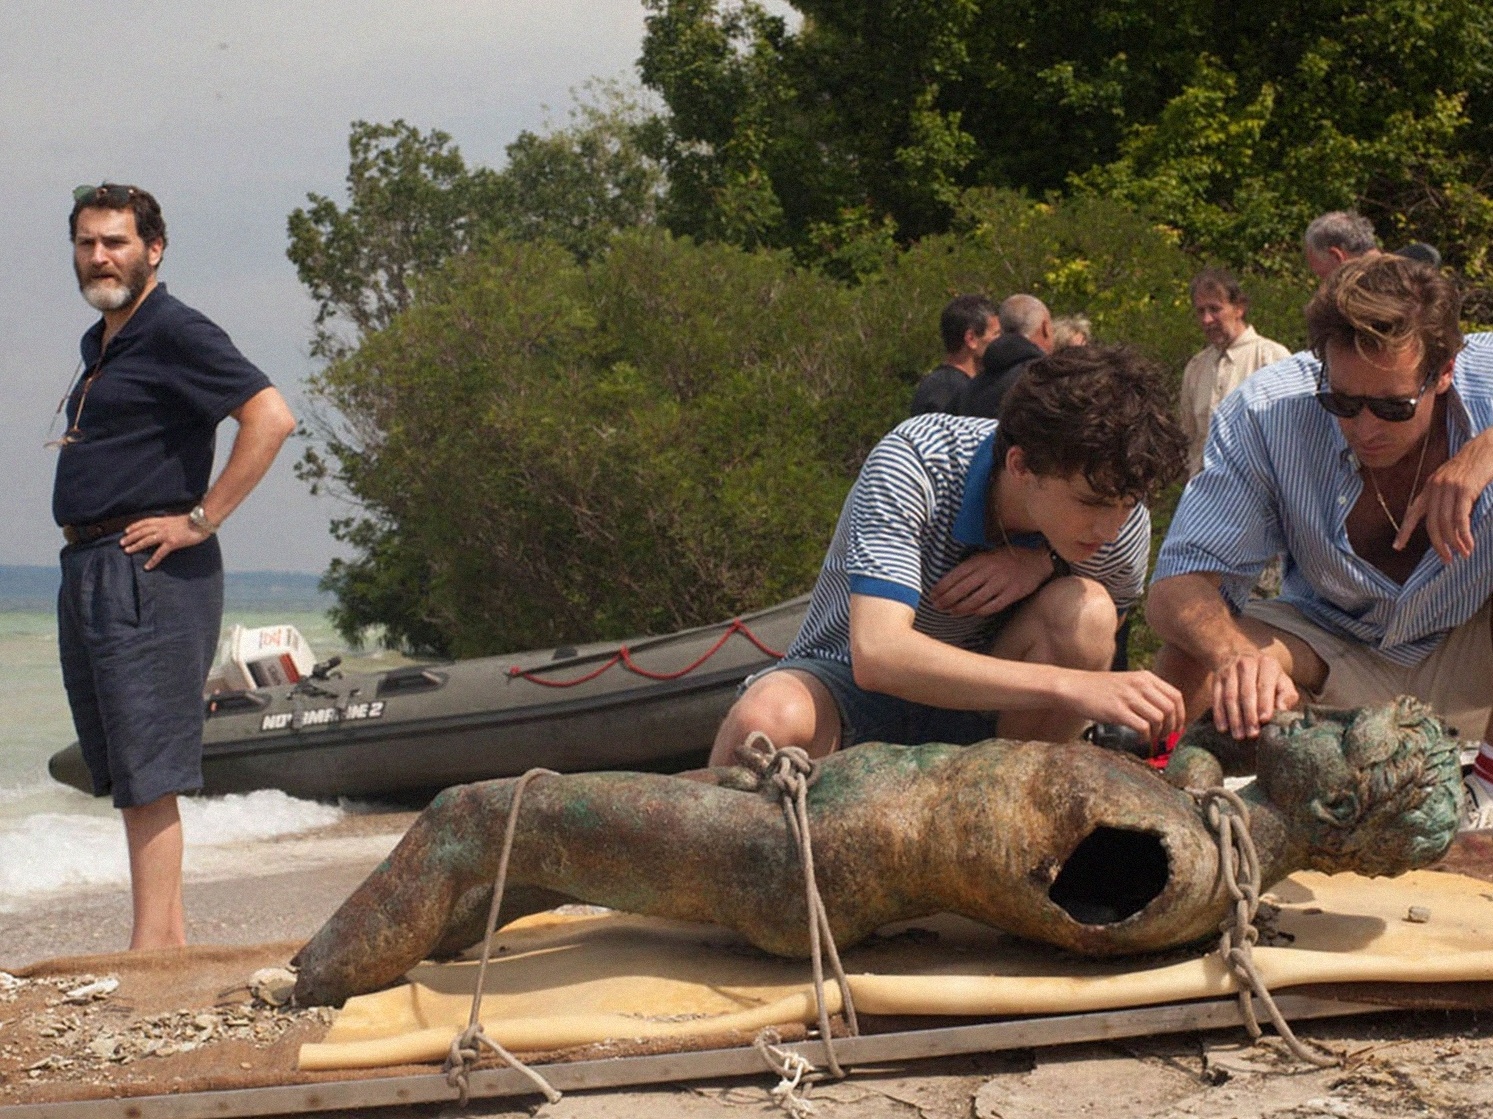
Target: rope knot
[
  {"x": 794, "y": 1072},
  {"x": 783, "y": 767},
  {"x": 460, "y": 1060}
]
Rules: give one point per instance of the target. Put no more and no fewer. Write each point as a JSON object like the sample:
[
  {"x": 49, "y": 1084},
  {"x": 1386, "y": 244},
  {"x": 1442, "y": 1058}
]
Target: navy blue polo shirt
[{"x": 149, "y": 421}]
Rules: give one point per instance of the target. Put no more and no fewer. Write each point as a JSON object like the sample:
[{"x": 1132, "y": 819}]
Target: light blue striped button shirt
[
  {"x": 1278, "y": 477},
  {"x": 915, "y": 512}
]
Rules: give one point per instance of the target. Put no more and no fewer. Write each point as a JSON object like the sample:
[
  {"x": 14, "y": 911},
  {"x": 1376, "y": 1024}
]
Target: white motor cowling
[{"x": 259, "y": 657}]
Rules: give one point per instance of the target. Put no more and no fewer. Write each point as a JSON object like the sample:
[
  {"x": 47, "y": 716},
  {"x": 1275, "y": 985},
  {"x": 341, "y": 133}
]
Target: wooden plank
[{"x": 664, "y": 1068}]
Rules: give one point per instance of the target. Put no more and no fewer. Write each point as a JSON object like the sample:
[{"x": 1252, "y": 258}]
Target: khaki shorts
[{"x": 1456, "y": 680}]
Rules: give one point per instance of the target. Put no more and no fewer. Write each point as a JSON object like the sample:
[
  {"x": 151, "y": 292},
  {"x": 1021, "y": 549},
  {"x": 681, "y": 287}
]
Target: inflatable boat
[{"x": 653, "y": 703}]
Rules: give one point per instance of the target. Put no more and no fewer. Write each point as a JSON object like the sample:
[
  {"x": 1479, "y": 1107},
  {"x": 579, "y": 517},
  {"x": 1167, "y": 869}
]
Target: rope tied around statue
[
  {"x": 791, "y": 771},
  {"x": 464, "y": 1047},
  {"x": 1228, "y": 818}
]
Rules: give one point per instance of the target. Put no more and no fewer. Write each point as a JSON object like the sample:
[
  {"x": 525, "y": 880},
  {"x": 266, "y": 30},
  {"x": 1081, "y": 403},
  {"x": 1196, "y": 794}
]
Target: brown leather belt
[{"x": 87, "y": 534}]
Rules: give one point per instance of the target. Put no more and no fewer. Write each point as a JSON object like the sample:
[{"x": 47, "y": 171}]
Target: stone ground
[{"x": 1405, "y": 1064}]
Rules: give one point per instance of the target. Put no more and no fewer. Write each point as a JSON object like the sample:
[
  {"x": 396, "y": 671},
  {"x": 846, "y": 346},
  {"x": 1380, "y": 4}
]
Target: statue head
[{"x": 1373, "y": 790}]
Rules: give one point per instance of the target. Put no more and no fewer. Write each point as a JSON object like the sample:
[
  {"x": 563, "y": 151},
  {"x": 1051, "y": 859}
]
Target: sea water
[{"x": 54, "y": 838}]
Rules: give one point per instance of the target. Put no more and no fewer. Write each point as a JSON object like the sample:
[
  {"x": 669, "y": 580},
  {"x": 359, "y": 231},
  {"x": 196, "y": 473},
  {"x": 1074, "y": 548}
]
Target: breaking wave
[{"x": 51, "y": 851}]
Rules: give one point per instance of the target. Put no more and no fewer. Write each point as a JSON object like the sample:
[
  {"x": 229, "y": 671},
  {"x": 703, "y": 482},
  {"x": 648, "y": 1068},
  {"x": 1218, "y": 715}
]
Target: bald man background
[{"x": 1026, "y": 334}]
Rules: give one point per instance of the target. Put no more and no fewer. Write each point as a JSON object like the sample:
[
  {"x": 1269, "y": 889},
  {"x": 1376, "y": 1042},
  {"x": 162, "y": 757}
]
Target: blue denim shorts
[
  {"x": 878, "y": 717},
  {"x": 136, "y": 647}
]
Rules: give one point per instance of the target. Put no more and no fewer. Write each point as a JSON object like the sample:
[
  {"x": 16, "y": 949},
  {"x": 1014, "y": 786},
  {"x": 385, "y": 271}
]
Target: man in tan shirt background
[{"x": 1234, "y": 351}]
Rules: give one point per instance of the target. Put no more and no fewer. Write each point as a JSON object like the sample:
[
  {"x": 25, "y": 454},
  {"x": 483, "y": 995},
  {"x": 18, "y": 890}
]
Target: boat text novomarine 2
[{"x": 653, "y": 703}]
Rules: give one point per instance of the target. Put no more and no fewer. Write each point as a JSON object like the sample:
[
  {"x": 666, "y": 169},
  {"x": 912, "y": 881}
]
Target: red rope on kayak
[{"x": 623, "y": 656}]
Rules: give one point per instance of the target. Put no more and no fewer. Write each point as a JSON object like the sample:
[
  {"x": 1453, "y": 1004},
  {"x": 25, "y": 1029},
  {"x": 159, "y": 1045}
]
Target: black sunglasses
[
  {"x": 1390, "y": 409},
  {"x": 110, "y": 194}
]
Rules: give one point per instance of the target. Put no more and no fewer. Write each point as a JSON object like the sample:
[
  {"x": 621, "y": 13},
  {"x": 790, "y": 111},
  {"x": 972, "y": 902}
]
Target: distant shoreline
[{"x": 35, "y": 587}]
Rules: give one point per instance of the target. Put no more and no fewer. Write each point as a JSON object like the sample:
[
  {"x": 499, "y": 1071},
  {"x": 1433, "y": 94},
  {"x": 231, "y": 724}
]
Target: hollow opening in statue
[{"x": 1113, "y": 874}]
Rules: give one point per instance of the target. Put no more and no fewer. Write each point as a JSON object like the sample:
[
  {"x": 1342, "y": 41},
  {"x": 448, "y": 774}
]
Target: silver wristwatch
[{"x": 199, "y": 521}]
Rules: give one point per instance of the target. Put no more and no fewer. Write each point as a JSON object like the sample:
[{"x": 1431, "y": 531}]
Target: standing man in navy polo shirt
[{"x": 142, "y": 577}]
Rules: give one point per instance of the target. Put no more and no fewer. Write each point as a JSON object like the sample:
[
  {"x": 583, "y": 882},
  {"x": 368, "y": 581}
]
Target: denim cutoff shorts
[{"x": 878, "y": 717}]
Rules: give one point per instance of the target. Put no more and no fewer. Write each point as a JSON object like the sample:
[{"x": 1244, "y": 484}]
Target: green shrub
[{"x": 548, "y": 451}]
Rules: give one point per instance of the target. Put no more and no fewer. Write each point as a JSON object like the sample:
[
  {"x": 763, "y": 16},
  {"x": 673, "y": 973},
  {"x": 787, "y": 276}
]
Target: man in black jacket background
[
  {"x": 967, "y": 326},
  {"x": 1026, "y": 334}
]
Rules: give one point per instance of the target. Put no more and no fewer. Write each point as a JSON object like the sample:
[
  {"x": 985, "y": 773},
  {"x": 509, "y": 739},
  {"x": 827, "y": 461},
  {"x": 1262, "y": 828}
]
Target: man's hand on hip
[{"x": 164, "y": 534}]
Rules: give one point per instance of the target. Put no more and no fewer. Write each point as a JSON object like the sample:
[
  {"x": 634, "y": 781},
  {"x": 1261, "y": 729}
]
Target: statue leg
[
  {"x": 401, "y": 913},
  {"x": 467, "y": 924}
]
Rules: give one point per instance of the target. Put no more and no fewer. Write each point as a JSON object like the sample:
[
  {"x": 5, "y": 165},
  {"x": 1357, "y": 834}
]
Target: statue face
[
  {"x": 1374, "y": 790},
  {"x": 1302, "y": 767}
]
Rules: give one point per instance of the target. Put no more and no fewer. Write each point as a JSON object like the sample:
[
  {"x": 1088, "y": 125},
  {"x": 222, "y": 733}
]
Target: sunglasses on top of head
[
  {"x": 109, "y": 194},
  {"x": 1391, "y": 409}
]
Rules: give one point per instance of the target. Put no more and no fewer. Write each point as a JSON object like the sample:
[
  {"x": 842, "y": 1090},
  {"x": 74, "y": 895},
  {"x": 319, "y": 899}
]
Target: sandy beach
[
  {"x": 1401, "y": 1063},
  {"x": 301, "y": 880}
]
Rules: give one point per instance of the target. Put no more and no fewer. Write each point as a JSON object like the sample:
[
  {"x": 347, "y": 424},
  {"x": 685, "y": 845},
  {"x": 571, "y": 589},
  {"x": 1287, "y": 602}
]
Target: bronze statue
[{"x": 1069, "y": 844}]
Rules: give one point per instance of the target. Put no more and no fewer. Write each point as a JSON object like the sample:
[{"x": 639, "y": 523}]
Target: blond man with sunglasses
[
  {"x": 1366, "y": 461},
  {"x": 141, "y": 599}
]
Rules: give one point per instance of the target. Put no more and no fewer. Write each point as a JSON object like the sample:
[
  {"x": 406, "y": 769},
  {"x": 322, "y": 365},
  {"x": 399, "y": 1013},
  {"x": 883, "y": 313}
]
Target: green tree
[
  {"x": 547, "y": 450},
  {"x": 1233, "y": 124},
  {"x": 1383, "y": 107},
  {"x": 412, "y": 203},
  {"x": 578, "y": 185},
  {"x": 721, "y": 71}
]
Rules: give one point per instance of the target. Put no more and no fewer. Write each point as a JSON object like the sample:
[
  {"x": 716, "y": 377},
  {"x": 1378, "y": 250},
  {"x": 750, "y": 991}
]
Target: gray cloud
[{"x": 230, "y": 114}]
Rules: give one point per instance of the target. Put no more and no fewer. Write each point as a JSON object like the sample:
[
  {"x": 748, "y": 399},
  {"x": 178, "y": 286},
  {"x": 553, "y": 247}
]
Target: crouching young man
[{"x": 980, "y": 569}]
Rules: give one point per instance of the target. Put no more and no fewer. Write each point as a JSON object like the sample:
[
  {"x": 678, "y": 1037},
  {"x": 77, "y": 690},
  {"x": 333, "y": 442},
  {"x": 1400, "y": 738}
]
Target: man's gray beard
[{"x": 102, "y": 295}]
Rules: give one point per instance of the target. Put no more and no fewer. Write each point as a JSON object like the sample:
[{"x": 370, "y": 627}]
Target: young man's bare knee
[
  {"x": 1082, "y": 621},
  {"x": 1071, "y": 623},
  {"x": 787, "y": 707}
]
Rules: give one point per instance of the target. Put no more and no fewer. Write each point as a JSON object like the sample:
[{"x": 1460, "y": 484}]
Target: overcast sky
[{"x": 230, "y": 114}]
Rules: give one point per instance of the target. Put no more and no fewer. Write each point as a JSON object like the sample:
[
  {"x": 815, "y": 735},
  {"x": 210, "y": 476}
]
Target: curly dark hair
[
  {"x": 149, "y": 222},
  {"x": 1100, "y": 411}
]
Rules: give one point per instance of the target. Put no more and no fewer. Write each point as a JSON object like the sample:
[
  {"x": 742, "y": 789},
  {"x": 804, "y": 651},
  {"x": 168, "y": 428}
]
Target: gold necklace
[
  {"x": 1414, "y": 486},
  {"x": 995, "y": 507},
  {"x": 1000, "y": 524}
]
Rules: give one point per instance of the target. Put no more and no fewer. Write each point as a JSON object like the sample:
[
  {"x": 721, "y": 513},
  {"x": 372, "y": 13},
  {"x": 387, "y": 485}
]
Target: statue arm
[
  {"x": 1205, "y": 757},
  {"x": 1193, "y": 767}
]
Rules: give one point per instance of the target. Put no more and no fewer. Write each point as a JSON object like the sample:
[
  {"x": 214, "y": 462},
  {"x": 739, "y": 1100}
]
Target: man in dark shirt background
[
  {"x": 141, "y": 600},
  {"x": 967, "y": 326},
  {"x": 1026, "y": 334}
]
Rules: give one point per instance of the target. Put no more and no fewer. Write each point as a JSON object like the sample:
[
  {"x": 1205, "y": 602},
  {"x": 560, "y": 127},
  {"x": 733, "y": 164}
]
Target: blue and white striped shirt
[
  {"x": 916, "y": 511},
  {"x": 1278, "y": 477}
]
